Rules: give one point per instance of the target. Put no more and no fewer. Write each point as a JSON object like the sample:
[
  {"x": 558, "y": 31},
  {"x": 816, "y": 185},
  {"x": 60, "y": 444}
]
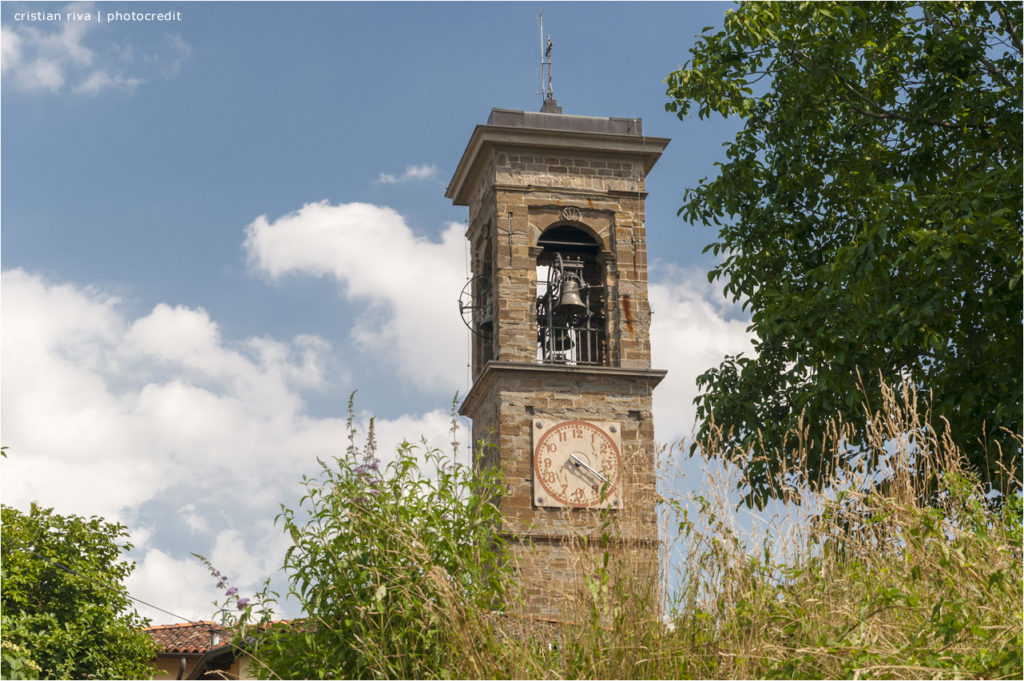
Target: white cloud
[
  {"x": 194, "y": 520},
  {"x": 172, "y": 61},
  {"x": 409, "y": 283},
  {"x": 245, "y": 562},
  {"x": 10, "y": 48},
  {"x": 98, "y": 81},
  {"x": 159, "y": 422},
  {"x": 193, "y": 439},
  {"x": 69, "y": 55},
  {"x": 136, "y": 407},
  {"x": 692, "y": 329},
  {"x": 42, "y": 74},
  {"x": 66, "y": 43},
  {"x": 179, "y": 587},
  {"x": 412, "y": 173}
]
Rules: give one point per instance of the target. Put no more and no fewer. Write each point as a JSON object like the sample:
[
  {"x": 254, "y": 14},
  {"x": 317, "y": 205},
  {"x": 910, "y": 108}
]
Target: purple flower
[
  {"x": 370, "y": 463},
  {"x": 242, "y": 602},
  {"x": 232, "y": 591}
]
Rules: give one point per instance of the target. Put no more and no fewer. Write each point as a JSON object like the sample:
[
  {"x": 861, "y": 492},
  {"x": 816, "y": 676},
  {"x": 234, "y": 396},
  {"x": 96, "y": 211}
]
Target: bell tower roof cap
[
  {"x": 512, "y": 128},
  {"x": 544, "y": 120}
]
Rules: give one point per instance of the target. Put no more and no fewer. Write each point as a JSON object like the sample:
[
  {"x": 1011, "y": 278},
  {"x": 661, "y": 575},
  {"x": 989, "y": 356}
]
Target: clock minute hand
[{"x": 578, "y": 462}]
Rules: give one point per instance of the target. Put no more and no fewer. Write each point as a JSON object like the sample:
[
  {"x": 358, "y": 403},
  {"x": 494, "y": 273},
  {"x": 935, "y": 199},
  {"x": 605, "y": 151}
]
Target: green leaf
[{"x": 870, "y": 207}]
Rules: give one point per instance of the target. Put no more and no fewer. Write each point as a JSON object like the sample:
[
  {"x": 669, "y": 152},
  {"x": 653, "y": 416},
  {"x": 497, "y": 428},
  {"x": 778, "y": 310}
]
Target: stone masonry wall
[
  {"x": 552, "y": 575},
  {"x": 517, "y": 193},
  {"x": 523, "y": 194},
  {"x": 545, "y": 541}
]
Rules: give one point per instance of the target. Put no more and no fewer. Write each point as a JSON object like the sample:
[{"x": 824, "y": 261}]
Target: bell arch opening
[
  {"x": 571, "y": 298},
  {"x": 483, "y": 294}
]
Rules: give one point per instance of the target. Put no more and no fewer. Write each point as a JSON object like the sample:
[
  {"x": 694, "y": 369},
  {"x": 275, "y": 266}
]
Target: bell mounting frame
[{"x": 478, "y": 318}]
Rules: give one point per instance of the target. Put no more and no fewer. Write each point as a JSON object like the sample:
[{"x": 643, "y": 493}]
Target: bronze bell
[{"x": 569, "y": 301}]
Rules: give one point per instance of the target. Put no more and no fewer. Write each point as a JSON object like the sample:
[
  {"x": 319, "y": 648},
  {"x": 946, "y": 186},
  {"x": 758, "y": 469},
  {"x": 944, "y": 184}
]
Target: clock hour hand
[{"x": 580, "y": 463}]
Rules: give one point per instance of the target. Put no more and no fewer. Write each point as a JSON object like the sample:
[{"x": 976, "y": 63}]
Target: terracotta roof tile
[{"x": 190, "y": 637}]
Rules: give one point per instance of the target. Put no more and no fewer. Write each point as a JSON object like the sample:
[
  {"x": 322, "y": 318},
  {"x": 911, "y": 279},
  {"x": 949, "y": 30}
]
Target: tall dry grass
[{"x": 899, "y": 563}]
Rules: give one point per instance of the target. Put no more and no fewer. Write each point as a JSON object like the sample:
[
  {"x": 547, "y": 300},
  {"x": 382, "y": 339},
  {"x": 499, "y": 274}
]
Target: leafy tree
[
  {"x": 66, "y": 612},
  {"x": 396, "y": 566},
  {"x": 869, "y": 217}
]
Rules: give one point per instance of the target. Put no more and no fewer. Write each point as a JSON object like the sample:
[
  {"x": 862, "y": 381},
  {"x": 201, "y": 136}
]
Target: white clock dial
[{"x": 577, "y": 464}]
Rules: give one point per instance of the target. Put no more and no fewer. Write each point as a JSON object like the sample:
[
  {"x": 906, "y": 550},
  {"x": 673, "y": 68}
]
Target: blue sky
[{"x": 216, "y": 228}]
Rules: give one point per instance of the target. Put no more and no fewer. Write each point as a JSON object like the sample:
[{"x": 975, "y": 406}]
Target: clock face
[{"x": 577, "y": 464}]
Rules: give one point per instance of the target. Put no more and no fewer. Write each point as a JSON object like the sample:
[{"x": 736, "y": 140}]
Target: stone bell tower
[{"x": 561, "y": 358}]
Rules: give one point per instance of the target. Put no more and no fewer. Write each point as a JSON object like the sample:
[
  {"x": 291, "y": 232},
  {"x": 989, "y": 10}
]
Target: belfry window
[{"x": 570, "y": 299}]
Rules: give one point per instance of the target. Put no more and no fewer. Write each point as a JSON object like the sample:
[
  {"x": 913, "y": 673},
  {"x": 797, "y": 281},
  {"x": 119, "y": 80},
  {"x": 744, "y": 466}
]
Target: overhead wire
[
  {"x": 210, "y": 626},
  {"x": 57, "y": 564}
]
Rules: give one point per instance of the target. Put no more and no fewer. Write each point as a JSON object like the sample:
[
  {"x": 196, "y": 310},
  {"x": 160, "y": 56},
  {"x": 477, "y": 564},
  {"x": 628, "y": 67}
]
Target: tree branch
[
  {"x": 1010, "y": 29},
  {"x": 884, "y": 114},
  {"x": 995, "y": 72}
]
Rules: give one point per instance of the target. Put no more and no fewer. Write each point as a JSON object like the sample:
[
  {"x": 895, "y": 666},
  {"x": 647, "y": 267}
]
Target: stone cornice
[
  {"x": 582, "y": 193},
  {"x": 485, "y": 138},
  {"x": 582, "y": 374}
]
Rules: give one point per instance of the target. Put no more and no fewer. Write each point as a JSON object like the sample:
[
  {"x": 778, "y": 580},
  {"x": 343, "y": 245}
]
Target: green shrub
[
  {"x": 397, "y": 566},
  {"x": 66, "y": 613}
]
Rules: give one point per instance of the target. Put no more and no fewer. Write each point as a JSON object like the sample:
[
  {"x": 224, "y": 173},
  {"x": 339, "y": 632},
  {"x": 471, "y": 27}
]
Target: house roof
[{"x": 187, "y": 638}]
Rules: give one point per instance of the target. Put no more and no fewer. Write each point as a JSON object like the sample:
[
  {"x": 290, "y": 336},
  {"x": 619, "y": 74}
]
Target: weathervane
[{"x": 545, "y": 89}]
